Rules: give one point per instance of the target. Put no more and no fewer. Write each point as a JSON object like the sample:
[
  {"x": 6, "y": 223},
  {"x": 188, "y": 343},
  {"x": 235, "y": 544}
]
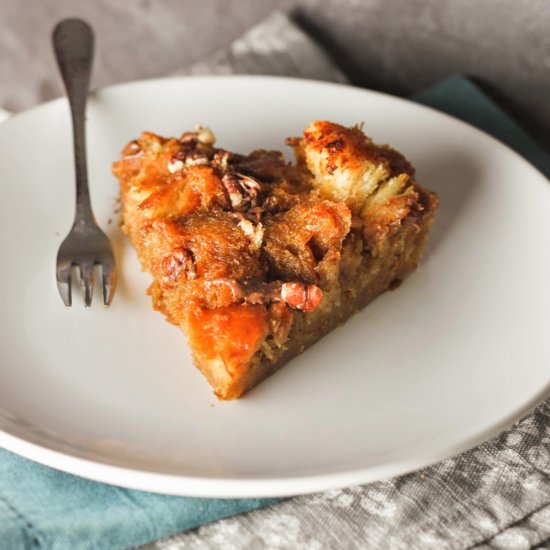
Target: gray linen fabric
[
  {"x": 275, "y": 46},
  {"x": 496, "y": 496}
]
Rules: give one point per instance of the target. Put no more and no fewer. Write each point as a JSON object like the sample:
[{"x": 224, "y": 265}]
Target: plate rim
[
  {"x": 258, "y": 487},
  {"x": 219, "y": 487}
]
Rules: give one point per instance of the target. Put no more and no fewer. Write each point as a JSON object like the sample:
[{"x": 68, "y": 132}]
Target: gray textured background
[
  {"x": 495, "y": 496},
  {"x": 399, "y": 46}
]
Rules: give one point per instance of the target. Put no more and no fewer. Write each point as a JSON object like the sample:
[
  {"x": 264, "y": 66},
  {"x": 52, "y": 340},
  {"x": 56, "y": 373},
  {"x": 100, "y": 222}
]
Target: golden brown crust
[
  {"x": 300, "y": 241},
  {"x": 349, "y": 149},
  {"x": 217, "y": 245},
  {"x": 256, "y": 259}
]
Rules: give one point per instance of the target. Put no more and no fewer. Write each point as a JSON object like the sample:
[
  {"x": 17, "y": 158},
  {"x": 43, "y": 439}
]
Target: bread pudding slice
[{"x": 255, "y": 259}]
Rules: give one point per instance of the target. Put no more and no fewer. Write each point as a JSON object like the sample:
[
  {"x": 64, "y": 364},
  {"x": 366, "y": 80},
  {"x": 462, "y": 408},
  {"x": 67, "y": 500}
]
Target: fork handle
[{"x": 73, "y": 43}]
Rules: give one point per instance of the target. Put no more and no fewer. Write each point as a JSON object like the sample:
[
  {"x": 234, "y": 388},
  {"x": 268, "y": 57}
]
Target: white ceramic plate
[{"x": 457, "y": 353}]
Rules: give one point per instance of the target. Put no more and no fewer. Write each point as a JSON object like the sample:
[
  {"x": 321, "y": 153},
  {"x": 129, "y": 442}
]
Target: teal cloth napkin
[
  {"x": 461, "y": 98},
  {"x": 41, "y": 508}
]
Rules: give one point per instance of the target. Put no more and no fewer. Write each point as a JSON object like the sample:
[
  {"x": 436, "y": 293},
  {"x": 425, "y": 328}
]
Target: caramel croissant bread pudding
[{"x": 254, "y": 258}]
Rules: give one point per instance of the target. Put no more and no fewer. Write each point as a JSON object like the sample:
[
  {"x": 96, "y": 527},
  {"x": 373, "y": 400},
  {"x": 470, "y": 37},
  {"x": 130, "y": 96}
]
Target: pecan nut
[
  {"x": 175, "y": 165},
  {"x": 201, "y": 135},
  {"x": 185, "y": 157},
  {"x": 177, "y": 262},
  {"x": 255, "y": 232},
  {"x": 301, "y": 296},
  {"x": 243, "y": 191},
  {"x": 221, "y": 160}
]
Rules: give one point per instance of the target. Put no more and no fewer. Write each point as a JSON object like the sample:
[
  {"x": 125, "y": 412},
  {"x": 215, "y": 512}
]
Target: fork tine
[
  {"x": 109, "y": 279},
  {"x": 87, "y": 283},
  {"x": 63, "y": 276}
]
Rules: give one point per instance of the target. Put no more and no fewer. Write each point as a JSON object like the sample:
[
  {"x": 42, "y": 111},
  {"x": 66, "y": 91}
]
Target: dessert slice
[{"x": 256, "y": 259}]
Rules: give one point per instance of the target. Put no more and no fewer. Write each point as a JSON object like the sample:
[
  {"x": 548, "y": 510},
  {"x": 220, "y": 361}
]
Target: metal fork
[{"x": 86, "y": 246}]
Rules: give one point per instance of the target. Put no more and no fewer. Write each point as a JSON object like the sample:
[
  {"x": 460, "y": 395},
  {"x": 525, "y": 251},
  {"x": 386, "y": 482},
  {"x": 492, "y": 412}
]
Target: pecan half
[
  {"x": 176, "y": 262},
  {"x": 243, "y": 191},
  {"x": 301, "y": 296},
  {"x": 221, "y": 160},
  {"x": 200, "y": 135},
  {"x": 255, "y": 232},
  {"x": 175, "y": 165},
  {"x": 185, "y": 157}
]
